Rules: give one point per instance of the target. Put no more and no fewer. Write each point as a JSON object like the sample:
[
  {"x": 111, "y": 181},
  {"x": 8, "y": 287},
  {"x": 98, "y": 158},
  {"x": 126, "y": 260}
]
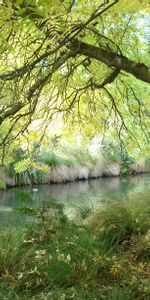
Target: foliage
[
  {"x": 51, "y": 159},
  {"x": 30, "y": 166},
  {"x": 75, "y": 64},
  {"x": 126, "y": 162},
  {"x": 111, "y": 151},
  {"x": 28, "y": 172}
]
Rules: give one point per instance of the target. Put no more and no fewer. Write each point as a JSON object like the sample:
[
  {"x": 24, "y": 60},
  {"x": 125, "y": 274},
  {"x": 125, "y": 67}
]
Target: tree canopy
[{"x": 85, "y": 60}]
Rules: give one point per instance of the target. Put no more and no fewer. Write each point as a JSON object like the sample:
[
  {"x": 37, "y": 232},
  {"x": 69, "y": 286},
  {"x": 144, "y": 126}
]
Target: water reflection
[{"x": 96, "y": 191}]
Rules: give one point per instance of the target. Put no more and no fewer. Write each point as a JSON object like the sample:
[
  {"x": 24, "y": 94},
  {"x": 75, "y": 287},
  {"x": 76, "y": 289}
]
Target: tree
[{"x": 88, "y": 61}]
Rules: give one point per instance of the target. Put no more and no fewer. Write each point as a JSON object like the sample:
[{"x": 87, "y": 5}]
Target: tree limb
[{"x": 112, "y": 59}]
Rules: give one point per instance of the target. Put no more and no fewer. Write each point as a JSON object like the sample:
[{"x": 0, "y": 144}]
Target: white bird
[{"x": 35, "y": 190}]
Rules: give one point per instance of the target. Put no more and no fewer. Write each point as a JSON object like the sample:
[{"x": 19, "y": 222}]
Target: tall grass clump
[
  {"x": 84, "y": 209},
  {"x": 120, "y": 222},
  {"x": 30, "y": 176},
  {"x": 53, "y": 160},
  {"x": 49, "y": 158}
]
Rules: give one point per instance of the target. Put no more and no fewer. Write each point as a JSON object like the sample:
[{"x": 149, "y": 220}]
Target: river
[{"x": 92, "y": 192}]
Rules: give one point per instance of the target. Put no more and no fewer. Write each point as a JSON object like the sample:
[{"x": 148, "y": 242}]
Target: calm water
[{"x": 93, "y": 192}]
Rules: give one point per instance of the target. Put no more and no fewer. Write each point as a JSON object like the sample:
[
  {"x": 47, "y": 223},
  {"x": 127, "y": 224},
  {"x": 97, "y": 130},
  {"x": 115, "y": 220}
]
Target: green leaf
[
  {"x": 22, "y": 11},
  {"x": 19, "y": 2}
]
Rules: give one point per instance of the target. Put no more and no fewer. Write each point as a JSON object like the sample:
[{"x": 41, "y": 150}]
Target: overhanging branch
[
  {"x": 107, "y": 80},
  {"x": 112, "y": 59}
]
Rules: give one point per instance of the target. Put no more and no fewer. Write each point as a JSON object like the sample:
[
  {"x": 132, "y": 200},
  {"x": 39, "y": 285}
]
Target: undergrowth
[{"x": 105, "y": 256}]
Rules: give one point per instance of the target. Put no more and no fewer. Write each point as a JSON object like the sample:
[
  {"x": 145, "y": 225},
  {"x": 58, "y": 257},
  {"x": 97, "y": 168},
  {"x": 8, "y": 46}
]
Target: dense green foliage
[
  {"x": 33, "y": 167},
  {"x": 52, "y": 257},
  {"x": 73, "y": 66}
]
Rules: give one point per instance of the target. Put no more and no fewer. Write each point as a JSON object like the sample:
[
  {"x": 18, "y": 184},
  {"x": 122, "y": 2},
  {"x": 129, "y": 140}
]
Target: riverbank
[
  {"x": 52, "y": 257},
  {"x": 64, "y": 173}
]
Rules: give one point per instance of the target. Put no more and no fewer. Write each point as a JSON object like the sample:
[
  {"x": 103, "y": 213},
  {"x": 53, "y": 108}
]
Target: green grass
[
  {"x": 119, "y": 293},
  {"x": 121, "y": 222},
  {"x": 84, "y": 209},
  {"x": 98, "y": 258},
  {"x": 49, "y": 158},
  {"x": 53, "y": 160}
]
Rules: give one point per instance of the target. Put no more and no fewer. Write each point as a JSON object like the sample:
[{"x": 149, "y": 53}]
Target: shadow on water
[{"x": 96, "y": 191}]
